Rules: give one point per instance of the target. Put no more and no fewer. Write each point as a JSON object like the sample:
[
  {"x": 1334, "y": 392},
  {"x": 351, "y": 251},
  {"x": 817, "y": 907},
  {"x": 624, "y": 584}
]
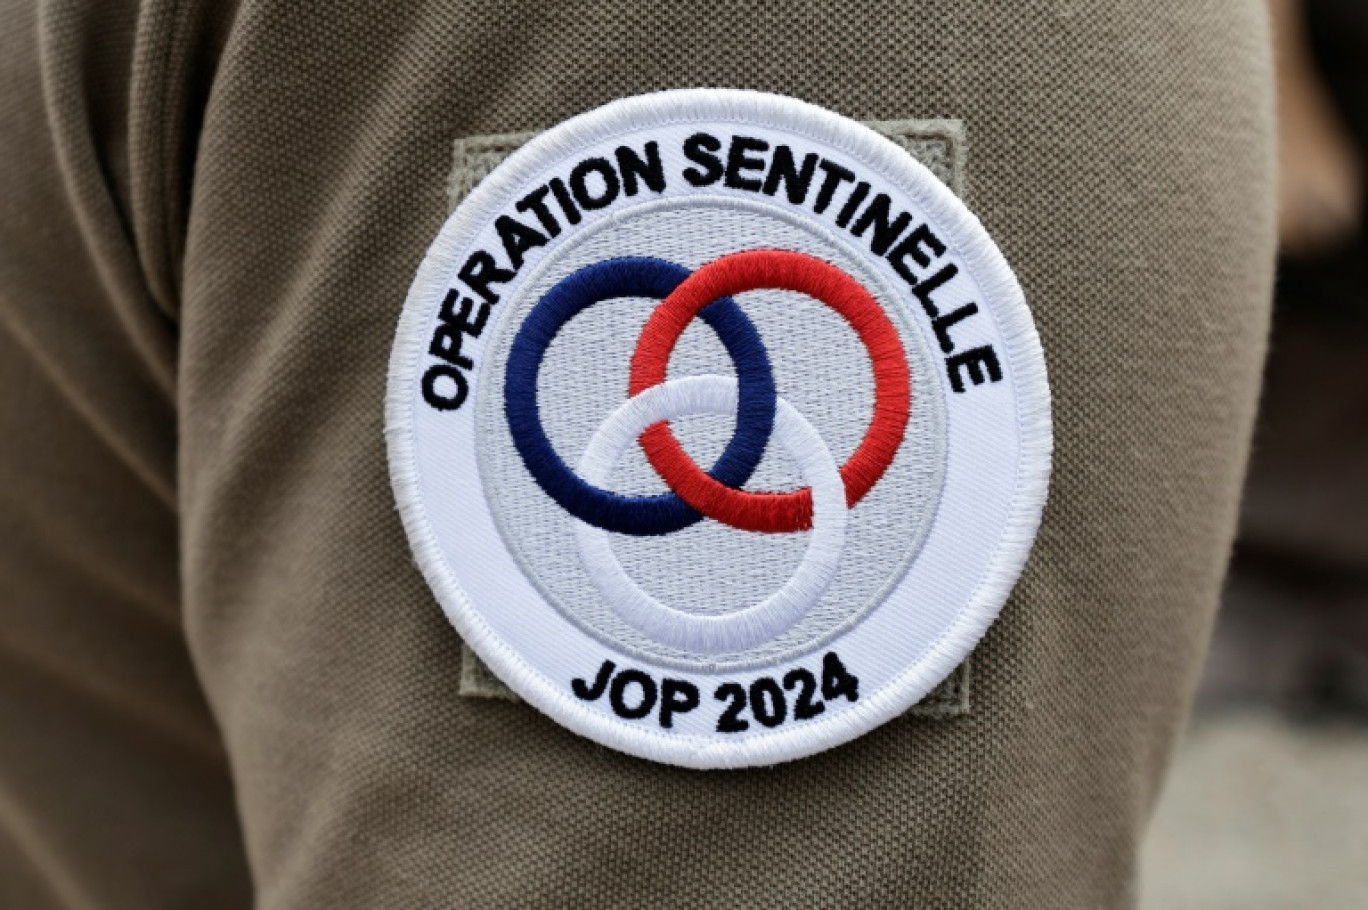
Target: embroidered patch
[{"x": 719, "y": 426}]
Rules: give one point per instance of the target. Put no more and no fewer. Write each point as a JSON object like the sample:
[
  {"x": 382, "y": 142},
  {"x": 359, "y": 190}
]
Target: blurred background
[{"x": 1267, "y": 804}]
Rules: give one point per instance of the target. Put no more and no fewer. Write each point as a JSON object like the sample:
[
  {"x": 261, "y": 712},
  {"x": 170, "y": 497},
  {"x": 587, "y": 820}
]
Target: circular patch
[{"x": 719, "y": 427}]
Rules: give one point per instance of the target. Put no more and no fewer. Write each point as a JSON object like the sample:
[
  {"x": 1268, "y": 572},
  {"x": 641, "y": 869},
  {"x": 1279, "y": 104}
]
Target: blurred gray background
[{"x": 1267, "y": 803}]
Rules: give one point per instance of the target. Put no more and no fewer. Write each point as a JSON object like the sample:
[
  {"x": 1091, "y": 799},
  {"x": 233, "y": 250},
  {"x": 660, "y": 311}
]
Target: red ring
[{"x": 753, "y": 270}]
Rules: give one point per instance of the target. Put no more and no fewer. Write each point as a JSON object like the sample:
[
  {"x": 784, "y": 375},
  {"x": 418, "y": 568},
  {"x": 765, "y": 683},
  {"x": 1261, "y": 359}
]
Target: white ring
[{"x": 748, "y": 627}]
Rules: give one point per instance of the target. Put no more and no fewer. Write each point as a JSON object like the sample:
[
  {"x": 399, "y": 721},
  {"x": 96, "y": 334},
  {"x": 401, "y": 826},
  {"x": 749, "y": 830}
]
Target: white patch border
[{"x": 961, "y": 231}]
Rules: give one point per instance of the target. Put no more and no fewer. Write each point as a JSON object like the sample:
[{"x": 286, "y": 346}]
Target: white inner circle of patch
[
  {"x": 813, "y": 352},
  {"x": 745, "y": 628}
]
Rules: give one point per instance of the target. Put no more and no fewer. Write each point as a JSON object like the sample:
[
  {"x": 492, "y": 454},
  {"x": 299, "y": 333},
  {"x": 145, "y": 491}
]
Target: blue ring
[{"x": 634, "y": 277}]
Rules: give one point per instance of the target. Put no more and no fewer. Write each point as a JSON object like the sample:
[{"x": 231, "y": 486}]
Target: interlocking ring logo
[{"x": 761, "y": 413}]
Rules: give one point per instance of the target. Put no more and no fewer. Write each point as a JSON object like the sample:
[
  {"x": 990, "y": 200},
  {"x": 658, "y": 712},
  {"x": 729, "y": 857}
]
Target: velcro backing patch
[{"x": 941, "y": 145}]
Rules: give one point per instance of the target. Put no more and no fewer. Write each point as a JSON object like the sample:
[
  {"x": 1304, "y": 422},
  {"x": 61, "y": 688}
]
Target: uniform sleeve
[{"x": 1120, "y": 154}]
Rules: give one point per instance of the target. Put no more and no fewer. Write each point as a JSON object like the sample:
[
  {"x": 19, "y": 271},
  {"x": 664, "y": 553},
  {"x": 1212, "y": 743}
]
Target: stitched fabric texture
[
  {"x": 807, "y": 329},
  {"x": 224, "y": 683}
]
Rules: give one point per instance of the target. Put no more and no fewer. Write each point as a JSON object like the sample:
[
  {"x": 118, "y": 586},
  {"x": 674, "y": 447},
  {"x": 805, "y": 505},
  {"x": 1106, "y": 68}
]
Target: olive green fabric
[{"x": 222, "y": 679}]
